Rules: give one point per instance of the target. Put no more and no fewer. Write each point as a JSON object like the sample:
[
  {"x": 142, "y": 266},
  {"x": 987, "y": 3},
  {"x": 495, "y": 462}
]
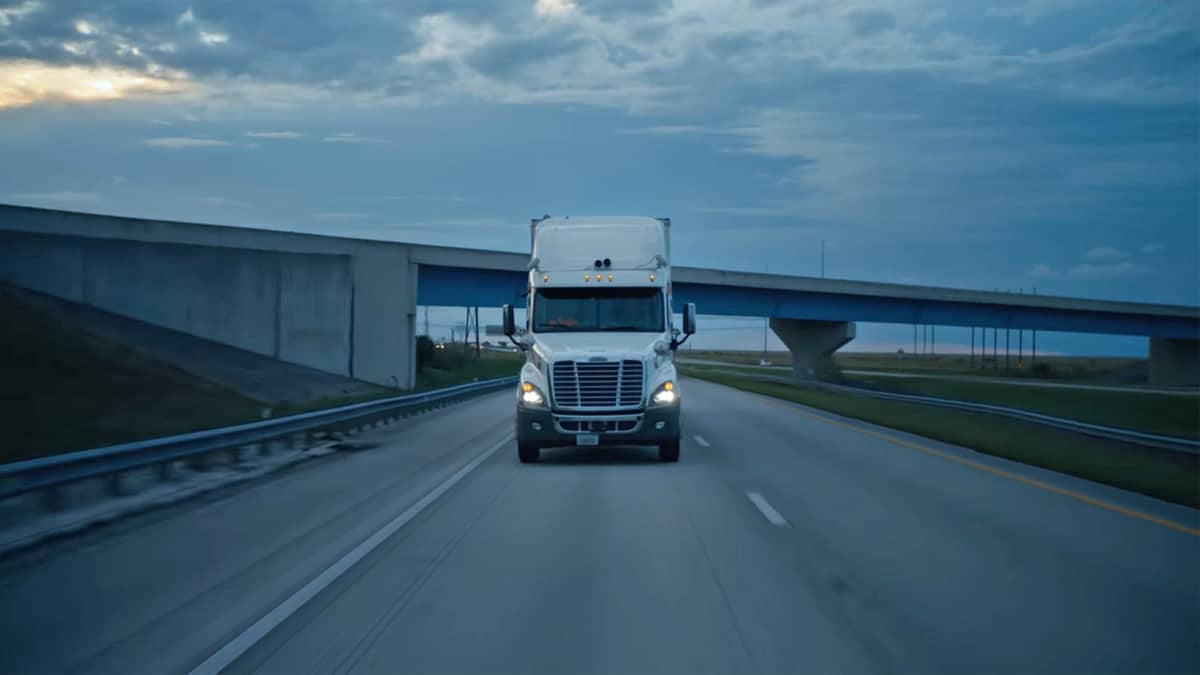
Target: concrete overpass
[{"x": 348, "y": 305}]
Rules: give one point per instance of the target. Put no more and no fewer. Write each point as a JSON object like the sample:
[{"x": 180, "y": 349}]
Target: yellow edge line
[{"x": 990, "y": 469}]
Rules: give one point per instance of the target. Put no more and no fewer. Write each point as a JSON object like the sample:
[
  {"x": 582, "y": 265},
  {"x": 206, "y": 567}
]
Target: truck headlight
[
  {"x": 531, "y": 396},
  {"x": 665, "y": 394}
]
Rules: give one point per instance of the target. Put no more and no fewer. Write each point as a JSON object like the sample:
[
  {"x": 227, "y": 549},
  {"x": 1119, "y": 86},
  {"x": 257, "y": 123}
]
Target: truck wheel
[
  {"x": 669, "y": 452},
  {"x": 528, "y": 453}
]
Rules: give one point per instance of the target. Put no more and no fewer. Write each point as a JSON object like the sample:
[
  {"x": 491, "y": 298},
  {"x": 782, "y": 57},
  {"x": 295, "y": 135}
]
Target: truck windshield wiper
[{"x": 625, "y": 328}]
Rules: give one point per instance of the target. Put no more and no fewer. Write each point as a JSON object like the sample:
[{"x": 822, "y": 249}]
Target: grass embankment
[
  {"x": 65, "y": 389},
  {"x": 1051, "y": 368},
  {"x": 1141, "y": 411},
  {"x": 1173, "y": 477},
  {"x": 1148, "y": 412}
]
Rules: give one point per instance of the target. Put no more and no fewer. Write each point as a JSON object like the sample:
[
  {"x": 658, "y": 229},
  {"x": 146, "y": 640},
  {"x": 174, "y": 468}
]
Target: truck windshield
[{"x": 598, "y": 309}]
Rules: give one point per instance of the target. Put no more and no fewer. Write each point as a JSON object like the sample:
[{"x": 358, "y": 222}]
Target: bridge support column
[
  {"x": 1174, "y": 361},
  {"x": 809, "y": 341}
]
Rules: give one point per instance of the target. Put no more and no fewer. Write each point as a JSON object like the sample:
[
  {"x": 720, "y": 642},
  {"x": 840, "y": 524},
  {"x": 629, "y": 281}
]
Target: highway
[{"x": 785, "y": 540}]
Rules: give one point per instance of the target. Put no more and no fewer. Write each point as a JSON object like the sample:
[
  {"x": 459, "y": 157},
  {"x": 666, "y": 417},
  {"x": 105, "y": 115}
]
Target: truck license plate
[{"x": 587, "y": 439}]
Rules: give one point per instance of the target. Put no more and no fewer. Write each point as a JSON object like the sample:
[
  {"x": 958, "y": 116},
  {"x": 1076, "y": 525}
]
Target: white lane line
[
  {"x": 251, "y": 636},
  {"x": 700, "y": 439},
  {"x": 770, "y": 513}
]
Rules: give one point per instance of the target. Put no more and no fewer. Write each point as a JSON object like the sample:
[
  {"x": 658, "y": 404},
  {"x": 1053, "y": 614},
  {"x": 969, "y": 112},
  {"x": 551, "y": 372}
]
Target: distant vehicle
[
  {"x": 600, "y": 345},
  {"x": 764, "y": 362}
]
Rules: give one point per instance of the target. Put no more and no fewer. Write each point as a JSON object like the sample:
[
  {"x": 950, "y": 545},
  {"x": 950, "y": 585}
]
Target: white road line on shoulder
[
  {"x": 700, "y": 439},
  {"x": 226, "y": 655},
  {"x": 770, "y": 513}
]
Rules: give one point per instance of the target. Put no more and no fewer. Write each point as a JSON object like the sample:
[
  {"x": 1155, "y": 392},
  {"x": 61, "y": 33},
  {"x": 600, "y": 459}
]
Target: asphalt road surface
[{"x": 783, "y": 541}]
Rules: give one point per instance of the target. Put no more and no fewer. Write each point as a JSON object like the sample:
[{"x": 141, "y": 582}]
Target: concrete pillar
[
  {"x": 384, "y": 318},
  {"x": 1175, "y": 361},
  {"x": 809, "y": 341}
]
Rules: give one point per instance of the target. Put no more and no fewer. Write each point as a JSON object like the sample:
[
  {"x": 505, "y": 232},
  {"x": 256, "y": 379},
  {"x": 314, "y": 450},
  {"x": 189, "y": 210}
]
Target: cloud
[
  {"x": 1152, "y": 248},
  {"x": 1105, "y": 253},
  {"x": 26, "y": 82},
  {"x": 184, "y": 142},
  {"x": 213, "y": 37},
  {"x": 1107, "y": 271},
  {"x": 553, "y": 8},
  {"x": 868, "y": 22},
  {"x": 1043, "y": 271},
  {"x": 11, "y": 14},
  {"x": 274, "y": 134},
  {"x": 351, "y": 137},
  {"x": 59, "y": 196}
]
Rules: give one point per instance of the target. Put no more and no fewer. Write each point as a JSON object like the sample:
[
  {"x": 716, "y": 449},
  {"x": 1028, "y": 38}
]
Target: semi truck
[{"x": 599, "y": 338}]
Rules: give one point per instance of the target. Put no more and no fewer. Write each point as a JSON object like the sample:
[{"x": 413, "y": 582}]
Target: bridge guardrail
[{"x": 45, "y": 473}]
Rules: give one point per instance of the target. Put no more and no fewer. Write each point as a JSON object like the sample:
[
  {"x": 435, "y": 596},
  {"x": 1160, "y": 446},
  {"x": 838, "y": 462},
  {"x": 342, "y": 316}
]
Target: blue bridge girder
[{"x": 462, "y": 286}]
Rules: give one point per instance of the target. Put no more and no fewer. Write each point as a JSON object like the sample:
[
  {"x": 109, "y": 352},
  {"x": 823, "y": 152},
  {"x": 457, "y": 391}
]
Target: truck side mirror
[
  {"x": 510, "y": 324},
  {"x": 689, "y": 318}
]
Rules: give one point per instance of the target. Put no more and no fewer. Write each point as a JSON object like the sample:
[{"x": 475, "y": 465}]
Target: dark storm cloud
[
  {"x": 868, "y": 22},
  {"x": 506, "y": 57}
]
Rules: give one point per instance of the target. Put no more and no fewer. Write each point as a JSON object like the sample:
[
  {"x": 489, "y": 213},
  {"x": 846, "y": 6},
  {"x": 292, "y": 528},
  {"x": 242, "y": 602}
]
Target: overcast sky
[{"x": 1009, "y": 144}]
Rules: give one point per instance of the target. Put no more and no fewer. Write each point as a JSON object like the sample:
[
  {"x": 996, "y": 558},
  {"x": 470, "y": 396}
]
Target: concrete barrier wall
[{"x": 293, "y": 306}]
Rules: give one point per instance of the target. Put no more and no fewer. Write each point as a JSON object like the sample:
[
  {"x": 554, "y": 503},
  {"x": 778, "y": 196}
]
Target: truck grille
[{"x": 583, "y": 385}]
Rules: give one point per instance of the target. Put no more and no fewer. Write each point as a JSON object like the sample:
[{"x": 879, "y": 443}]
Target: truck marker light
[
  {"x": 545, "y": 277},
  {"x": 525, "y": 386},
  {"x": 669, "y": 386},
  {"x": 587, "y": 277},
  {"x": 651, "y": 276},
  {"x": 610, "y": 277}
]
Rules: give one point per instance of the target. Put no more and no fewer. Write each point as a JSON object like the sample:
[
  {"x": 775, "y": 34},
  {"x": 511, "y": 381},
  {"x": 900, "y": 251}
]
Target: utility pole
[
  {"x": 1007, "y": 343},
  {"x": 822, "y": 258},
  {"x": 914, "y": 340},
  {"x": 476, "y": 331},
  {"x": 427, "y": 322},
  {"x": 972, "y": 346},
  {"x": 933, "y": 340}
]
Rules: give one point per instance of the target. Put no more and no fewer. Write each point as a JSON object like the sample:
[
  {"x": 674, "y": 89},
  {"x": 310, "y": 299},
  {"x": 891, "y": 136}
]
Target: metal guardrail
[
  {"x": 20, "y": 478},
  {"x": 1173, "y": 443}
]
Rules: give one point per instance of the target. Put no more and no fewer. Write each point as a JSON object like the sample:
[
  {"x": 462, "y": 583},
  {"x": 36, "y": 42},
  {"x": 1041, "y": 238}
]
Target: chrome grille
[{"x": 584, "y": 385}]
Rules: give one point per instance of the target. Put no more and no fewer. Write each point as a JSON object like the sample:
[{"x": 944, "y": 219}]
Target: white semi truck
[{"x": 599, "y": 340}]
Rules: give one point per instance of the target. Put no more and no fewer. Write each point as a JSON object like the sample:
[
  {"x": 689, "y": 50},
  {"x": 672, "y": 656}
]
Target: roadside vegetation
[
  {"x": 1148, "y": 412},
  {"x": 1170, "y": 476},
  {"x": 66, "y": 389},
  {"x": 1110, "y": 370}
]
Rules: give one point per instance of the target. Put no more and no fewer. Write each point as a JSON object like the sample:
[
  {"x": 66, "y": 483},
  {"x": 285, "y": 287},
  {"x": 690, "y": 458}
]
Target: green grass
[
  {"x": 66, "y": 390},
  {"x": 1142, "y": 411},
  {"x": 451, "y": 366},
  {"x": 1173, "y": 477},
  {"x": 1149, "y": 412},
  {"x": 1061, "y": 368}
]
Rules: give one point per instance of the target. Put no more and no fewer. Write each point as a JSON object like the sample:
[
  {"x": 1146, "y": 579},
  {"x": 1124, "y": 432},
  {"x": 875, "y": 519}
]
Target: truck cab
[{"x": 599, "y": 339}]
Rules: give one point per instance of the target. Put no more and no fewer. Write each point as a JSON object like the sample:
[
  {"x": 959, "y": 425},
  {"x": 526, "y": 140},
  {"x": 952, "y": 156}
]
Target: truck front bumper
[{"x": 548, "y": 429}]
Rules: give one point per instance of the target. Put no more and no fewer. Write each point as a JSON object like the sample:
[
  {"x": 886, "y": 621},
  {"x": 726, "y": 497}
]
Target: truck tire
[
  {"x": 528, "y": 453},
  {"x": 669, "y": 452}
]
